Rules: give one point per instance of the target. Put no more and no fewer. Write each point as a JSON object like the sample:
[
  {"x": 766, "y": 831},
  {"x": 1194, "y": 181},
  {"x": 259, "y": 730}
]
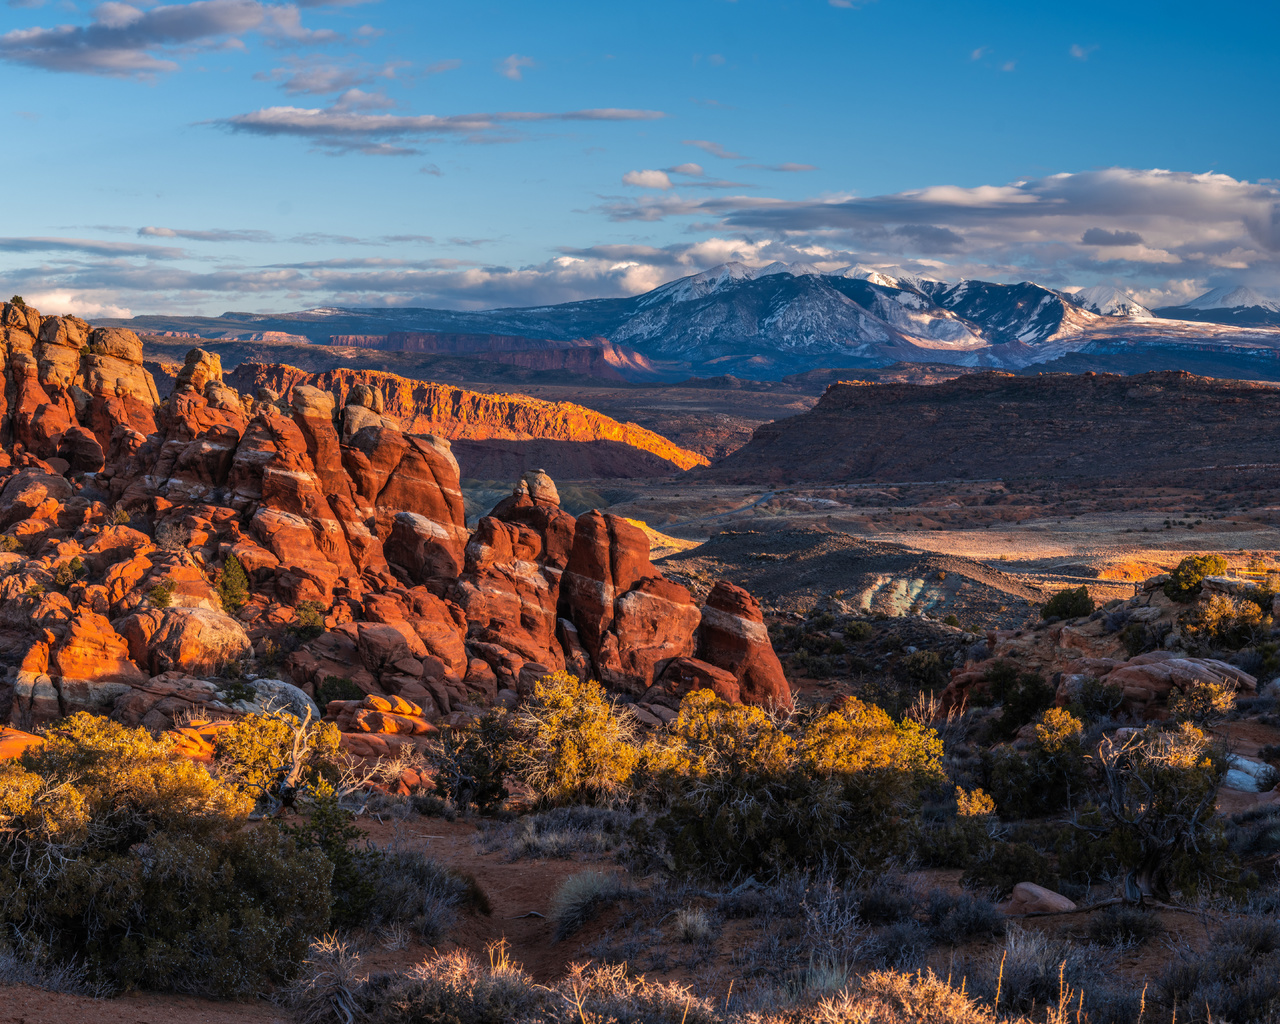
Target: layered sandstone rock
[
  {"x": 733, "y": 637},
  {"x": 629, "y": 620},
  {"x": 423, "y": 407}
]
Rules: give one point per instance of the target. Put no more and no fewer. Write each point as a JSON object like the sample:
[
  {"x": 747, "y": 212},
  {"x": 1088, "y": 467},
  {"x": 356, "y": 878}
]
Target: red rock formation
[
  {"x": 450, "y": 412},
  {"x": 733, "y": 637},
  {"x": 629, "y": 620},
  {"x": 122, "y": 516}
]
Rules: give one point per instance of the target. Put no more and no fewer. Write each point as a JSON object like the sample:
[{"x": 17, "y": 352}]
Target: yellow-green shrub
[
  {"x": 256, "y": 753},
  {"x": 574, "y": 745},
  {"x": 116, "y": 851},
  {"x": 744, "y": 795}
]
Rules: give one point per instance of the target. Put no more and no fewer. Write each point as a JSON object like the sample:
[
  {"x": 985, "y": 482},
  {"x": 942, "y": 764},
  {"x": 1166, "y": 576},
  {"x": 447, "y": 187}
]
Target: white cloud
[
  {"x": 513, "y": 67},
  {"x": 1082, "y": 52},
  {"x": 647, "y": 179}
]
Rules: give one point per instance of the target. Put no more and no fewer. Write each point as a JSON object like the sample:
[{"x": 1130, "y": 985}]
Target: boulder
[
  {"x": 1029, "y": 898},
  {"x": 733, "y": 637},
  {"x": 197, "y": 641}
]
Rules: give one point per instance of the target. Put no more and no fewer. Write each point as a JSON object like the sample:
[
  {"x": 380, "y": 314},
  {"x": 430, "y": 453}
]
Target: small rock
[{"x": 1029, "y": 898}]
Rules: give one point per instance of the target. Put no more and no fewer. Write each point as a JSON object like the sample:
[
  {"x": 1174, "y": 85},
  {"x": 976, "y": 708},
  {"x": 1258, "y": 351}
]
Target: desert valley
[{"x": 490, "y": 568}]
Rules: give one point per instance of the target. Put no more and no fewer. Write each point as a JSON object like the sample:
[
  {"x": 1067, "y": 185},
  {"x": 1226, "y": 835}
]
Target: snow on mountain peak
[
  {"x": 704, "y": 283},
  {"x": 859, "y": 272},
  {"x": 794, "y": 269},
  {"x": 1232, "y": 298},
  {"x": 1109, "y": 301}
]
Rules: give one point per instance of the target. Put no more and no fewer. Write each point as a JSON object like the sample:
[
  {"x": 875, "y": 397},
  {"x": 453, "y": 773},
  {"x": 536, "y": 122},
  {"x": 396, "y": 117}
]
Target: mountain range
[{"x": 786, "y": 318}]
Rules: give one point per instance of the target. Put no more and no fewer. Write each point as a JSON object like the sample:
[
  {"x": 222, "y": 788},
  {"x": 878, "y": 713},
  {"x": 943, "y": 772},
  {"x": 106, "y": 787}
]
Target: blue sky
[{"x": 236, "y": 154}]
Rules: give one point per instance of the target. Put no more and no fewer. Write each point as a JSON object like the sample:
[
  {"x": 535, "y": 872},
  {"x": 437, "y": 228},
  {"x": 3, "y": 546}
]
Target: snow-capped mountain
[
  {"x": 783, "y": 318},
  {"x": 1105, "y": 300},
  {"x": 1233, "y": 298},
  {"x": 1238, "y": 306}
]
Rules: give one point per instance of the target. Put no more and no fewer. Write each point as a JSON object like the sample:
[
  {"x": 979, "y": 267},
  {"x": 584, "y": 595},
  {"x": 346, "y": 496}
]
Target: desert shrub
[
  {"x": 1123, "y": 925},
  {"x": 1072, "y": 603},
  {"x": 859, "y": 632},
  {"x": 1022, "y": 694},
  {"x": 17, "y": 301},
  {"x": 973, "y": 804},
  {"x": 310, "y": 622},
  {"x": 161, "y": 595},
  {"x": 337, "y": 688},
  {"x": 273, "y": 758},
  {"x": 886, "y": 901},
  {"x": 1032, "y": 971},
  {"x": 575, "y": 744},
  {"x": 471, "y": 763},
  {"x": 694, "y": 925},
  {"x": 922, "y": 670},
  {"x": 68, "y": 572},
  {"x": 1257, "y": 936},
  {"x": 1230, "y": 622},
  {"x": 1185, "y": 582},
  {"x": 743, "y": 795},
  {"x": 1227, "y": 982},
  {"x": 1154, "y": 820},
  {"x": 956, "y": 918},
  {"x": 1003, "y": 865},
  {"x": 1202, "y": 702},
  {"x": 1047, "y": 778},
  {"x": 1097, "y": 700},
  {"x": 172, "y": 535},
  {"x": 232, "y": 585},
  {"x": 582, "y": 896},
  {"x": 331, "y": 830},
  {"x": 561, "y": 832},
  {"x": 406, "y": 887},
  {"x": 10, "y": 543},
  {"x": 117, "y": 851}
]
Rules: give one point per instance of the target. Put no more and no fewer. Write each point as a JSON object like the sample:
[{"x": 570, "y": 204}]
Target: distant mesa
[{"x": 993, "y": 425}]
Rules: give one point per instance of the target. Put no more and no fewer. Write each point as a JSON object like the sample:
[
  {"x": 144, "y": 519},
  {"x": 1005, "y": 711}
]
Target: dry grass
[{"x": 461, "y": 989}]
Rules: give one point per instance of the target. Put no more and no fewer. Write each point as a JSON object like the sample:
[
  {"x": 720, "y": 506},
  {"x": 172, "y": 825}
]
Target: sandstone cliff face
[
  {"x": 119, "y": 514},
  {"x": 451, "y": 412}
]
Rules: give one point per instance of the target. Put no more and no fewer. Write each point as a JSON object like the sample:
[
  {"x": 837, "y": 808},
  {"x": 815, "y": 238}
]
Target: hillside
[
  {"x": 996, "y": 425},
  {"x": 426, "y": 408}
]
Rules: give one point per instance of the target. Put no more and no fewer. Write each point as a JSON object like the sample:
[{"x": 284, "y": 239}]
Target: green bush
[
  {"x": 331, "y": 830},
  {"x": 161, "y": 595},
  {"x": 471, "y": 764},
  {"x": 8, "y": 542},
  {"x": 118, "y": 853},
  {"x": 337, "y": 688},
  {"x": 1023, "y": 695},
  {"x": 1186, "y": 580},
  {"x": 1154, "y": 816},
  {"x": 859, "y": 632},
  {"x": 17, "y": 301},
  {"x": 1003, "y": 865},
  {"x": 310, "y": 622},
  {"x": 232, "y": 585},
  {"x": 922, "y": 670},
  {"x": 1073, "y": 603},
  {"x": 68, "y": 572}
]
